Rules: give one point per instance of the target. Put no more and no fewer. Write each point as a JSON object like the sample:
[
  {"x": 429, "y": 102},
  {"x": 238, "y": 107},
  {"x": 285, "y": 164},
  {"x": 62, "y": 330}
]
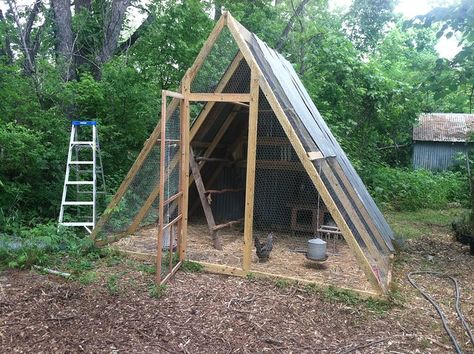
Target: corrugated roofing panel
[{"x": 447, "y": 127}]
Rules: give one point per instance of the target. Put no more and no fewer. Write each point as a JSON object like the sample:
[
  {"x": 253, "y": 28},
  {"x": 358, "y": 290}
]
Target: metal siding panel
[{"x": 436, "y": 156}]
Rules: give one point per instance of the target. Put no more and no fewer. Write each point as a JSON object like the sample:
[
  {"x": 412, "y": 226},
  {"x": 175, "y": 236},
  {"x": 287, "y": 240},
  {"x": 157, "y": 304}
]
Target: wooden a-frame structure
[{"x": 271, "y": 78}]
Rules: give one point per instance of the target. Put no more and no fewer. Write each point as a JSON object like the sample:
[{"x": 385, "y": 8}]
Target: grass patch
[
  {"x": 282, "y": 283},
  {"x": 147, "y": 268},
  {"x": 413, "y": 224},
  {"x": 87, "y": 278},
  {"x": 350, "y": 298}
]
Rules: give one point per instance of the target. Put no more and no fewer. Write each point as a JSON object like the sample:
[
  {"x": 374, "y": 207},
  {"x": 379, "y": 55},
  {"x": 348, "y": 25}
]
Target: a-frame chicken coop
[{"x": 241, "y": 151}]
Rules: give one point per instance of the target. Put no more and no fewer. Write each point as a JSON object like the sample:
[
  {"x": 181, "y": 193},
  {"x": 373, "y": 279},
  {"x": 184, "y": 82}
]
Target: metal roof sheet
[{"x": 444, "y": 127}]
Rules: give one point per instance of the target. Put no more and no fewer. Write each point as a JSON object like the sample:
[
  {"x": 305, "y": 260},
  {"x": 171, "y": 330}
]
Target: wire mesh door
[{"x": 170, "y": 206}]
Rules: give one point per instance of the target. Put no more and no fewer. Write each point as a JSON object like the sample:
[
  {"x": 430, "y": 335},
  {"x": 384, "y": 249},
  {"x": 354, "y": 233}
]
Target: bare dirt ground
[{"x": 204, "y": 313}]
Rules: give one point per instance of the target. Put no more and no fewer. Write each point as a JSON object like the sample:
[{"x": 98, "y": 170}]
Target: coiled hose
[{"x": 438, "y": 308}]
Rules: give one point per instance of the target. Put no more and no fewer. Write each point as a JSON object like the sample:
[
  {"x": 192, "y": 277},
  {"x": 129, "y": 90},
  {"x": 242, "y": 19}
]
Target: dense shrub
[{"x": 406, "y": 189}]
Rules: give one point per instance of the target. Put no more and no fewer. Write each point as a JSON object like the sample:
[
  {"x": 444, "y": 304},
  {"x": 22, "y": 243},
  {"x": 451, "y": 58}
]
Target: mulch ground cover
[{"x": 205, "y": 313}]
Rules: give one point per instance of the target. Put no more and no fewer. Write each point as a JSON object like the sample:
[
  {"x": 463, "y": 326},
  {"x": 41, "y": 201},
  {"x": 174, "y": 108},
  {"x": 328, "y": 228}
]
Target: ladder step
[
  {"x": 82, "y": 143},
  {"x": 78, "y": 203},
  {"x": 79, "y": 182},
  {"x": 77, "y": 224},
  {"x": 81, "y": 162}
]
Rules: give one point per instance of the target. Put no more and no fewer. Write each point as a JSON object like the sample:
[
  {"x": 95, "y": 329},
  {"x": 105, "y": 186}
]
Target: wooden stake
[{"x": 250, "y": 180}]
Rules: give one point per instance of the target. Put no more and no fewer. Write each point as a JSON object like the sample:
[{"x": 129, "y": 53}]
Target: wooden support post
[
  {"x": 250, "y": 179},
  {"x": 159, "y": 237},
  {"x": 205, "y": 204},
  {"x": 219, "y": 97},
  {"x": 184, "y": 180}
]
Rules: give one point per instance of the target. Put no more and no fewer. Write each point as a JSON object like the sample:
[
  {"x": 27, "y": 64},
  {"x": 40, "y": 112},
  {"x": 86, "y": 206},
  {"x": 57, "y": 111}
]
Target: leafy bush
[
  {"x": 44, "y": 245},
  {"x": 405, "y": 189}
]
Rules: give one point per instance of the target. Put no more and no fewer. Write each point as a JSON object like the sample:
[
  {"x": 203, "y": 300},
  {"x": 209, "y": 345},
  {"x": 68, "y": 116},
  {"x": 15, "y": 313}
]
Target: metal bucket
[{"x": 316, "y": 249}]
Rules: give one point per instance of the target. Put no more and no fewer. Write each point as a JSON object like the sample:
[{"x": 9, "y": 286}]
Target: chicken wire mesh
[
  {"x": 140, "y": 201},
  {"x": 216, "y": 63},
  {"x": 287, "y": 201}
]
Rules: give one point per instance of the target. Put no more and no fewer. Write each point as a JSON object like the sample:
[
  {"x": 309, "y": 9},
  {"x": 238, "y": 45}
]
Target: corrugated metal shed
[
  {"x": 437, "y": 156},
  {"x": 446, "y": 127}
]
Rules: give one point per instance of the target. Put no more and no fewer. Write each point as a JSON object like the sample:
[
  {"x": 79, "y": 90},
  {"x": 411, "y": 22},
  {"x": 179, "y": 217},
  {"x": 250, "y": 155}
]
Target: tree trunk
[
  {"x": 6, "y": 49},
  {"x": 113, "y": 25},
  {"x": 64, "y": 38}
]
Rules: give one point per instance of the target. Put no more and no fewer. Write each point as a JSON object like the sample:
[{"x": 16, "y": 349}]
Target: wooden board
[{"x": 205, "y": 204}]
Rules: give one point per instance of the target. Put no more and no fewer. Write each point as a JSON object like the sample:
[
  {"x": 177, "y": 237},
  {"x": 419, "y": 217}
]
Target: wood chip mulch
[{"x": 204, "y": 313}]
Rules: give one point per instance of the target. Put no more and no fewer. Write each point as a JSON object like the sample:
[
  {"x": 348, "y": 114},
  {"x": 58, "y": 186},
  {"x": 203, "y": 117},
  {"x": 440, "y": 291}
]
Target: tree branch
[
  {"x": 29, "y": 65},
  {"x": 289, "y": 26},
  {"x": 124, "y": 46}
]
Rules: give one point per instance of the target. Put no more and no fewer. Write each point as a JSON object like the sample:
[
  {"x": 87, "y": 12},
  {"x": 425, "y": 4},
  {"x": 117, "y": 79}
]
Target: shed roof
[{"x": 444, "y": 127}]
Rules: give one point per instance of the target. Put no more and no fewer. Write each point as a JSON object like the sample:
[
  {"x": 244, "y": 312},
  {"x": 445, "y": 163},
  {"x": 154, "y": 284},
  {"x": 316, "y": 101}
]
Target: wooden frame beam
[
  {"x": 238, "y": 272},
  {"x": 236, "y": 98},
  {"x": 250, "y": 179},
  {"x": 365, "y": 214},
  {"x": 184, "y": 180},
  {"x": 346, "y": 204},
  {"x": 207, "y": 47}
]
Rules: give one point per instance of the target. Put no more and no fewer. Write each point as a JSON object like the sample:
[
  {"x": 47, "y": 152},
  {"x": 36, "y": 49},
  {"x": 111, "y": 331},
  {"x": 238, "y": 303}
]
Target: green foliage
[
  {"x": 87, "y": 278},
  {"x": 155, "y": 291},
  {"x": 191, "y": 267},
  {"x": 405, "y": 189},
  {"x": 369, "y": 74},
  {"x": 412, "y": 224},
  {"x": 282, "y": 283},
  {"x": 147, "y": 268},
  {"x": 41, "y": 245},
  {"x": 112, "y": 284}
]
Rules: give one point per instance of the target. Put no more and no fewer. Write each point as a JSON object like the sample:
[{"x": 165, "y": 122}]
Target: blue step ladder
[{"x": 90, "y": 166}]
